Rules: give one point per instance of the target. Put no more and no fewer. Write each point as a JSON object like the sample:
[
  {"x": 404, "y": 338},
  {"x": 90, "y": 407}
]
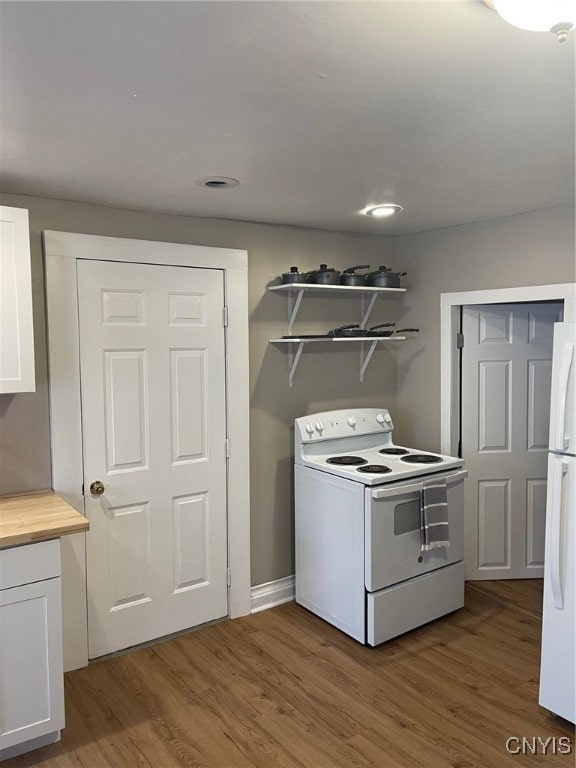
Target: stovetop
[
  {"x": 357, "y": 444},
  {"x": 373, "y": 468}
]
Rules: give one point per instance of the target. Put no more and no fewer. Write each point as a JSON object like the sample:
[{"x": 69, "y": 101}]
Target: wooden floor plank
[{"x": 283, "y": 689}]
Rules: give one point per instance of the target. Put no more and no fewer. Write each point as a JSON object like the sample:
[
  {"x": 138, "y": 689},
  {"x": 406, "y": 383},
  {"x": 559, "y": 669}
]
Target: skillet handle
[
  {"x": 407, "y": 330},
  {"x": 351, "y": 270},
  {"x": 381, "y": 325},
  {"x": 346, "y": 327}
]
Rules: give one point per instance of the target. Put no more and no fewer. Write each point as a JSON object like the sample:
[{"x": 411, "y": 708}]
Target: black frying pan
[
  {"x": 374, "y": 333},
  {"x": 352, "y": 331},
  {"x": 348, "y": 331},
  {"x": 308, "y": 336}
]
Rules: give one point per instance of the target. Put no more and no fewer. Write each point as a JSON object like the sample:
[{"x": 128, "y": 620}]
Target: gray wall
[
  {"x": 528, "y": 249},
  {"x": 326, "y": 379}
]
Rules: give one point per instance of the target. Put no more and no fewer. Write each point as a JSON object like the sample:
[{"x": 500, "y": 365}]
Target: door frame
[
  {"x": 450, "y": 306},
  {"x": 62, "y": 250}
]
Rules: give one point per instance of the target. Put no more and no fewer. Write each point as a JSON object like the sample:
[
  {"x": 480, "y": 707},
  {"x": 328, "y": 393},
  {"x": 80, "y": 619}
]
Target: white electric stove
[{"x": 358, "y": 511}]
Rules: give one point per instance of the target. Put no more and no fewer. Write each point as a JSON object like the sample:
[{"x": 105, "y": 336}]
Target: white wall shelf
[
  {"x": 368, "y": 296},
  {"x": 320, "y": 288},
  {"x": 365, "y": 354}
]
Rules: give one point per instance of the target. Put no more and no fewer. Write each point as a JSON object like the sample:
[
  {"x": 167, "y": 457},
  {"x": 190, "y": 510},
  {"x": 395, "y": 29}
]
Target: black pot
[
  {"x": 294, "y": 276},
  {"x": 324, "y": 276},
  {"x": 349, "y": 277},
  {"x": 384, "y": 278}
]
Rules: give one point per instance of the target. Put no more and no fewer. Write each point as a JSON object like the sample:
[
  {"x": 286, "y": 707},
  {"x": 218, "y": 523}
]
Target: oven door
[{"x": 393, "y": 536}]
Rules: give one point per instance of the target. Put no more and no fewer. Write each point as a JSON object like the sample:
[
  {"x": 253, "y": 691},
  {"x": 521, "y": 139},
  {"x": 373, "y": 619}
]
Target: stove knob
[
  {"x": 388, "y": 418},
  {"x": 351, "y": 420},
  {"x": 309, "y": 428},
  {"x": 319, "y": 426},
  {"x": 380, "y": 418}
]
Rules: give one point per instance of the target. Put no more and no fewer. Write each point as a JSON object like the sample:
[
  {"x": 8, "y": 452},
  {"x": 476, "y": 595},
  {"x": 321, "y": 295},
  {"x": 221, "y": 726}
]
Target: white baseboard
[{"x": 264, "y": 596}]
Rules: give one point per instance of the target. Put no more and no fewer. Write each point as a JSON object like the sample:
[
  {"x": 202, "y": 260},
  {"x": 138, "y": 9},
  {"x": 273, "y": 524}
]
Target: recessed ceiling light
[
  {"x": 389, "y": 209},
  {"x": 218, "y": 182}
]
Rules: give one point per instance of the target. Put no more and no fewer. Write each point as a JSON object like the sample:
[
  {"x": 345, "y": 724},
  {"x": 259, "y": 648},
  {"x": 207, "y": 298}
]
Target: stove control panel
[{"x": 332, "y": 425}]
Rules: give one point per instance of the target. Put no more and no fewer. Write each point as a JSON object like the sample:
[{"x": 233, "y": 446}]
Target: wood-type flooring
[{"x": 283, "y": 688}]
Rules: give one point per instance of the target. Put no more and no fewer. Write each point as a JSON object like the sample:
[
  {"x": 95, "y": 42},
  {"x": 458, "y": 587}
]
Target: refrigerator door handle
[
  {"x": 565, "y": 367},
  {"x": 555, "y": 549}
]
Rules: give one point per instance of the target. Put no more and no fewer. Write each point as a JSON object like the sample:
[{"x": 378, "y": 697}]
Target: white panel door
[
  {"x": 154, "y": 430},
  {"x": 506, "y": 375}
]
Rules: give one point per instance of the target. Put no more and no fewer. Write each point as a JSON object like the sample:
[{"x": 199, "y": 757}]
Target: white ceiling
[{"x": 318, "y": 108}]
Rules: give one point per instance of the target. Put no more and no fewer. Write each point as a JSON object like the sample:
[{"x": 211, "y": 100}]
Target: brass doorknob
[{"x": 97, "y": 488}]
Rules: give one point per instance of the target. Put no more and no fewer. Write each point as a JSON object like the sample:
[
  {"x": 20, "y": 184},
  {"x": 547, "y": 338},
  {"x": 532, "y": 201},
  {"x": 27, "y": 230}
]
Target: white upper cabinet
[{"x": 16, "y": 329}]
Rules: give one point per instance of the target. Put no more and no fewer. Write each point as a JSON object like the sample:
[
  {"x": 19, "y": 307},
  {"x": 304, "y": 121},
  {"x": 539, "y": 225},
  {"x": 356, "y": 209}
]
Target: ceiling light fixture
[
  {"x": 557, "y": 16},
  {"x": 379, "y": 211},
  {"x": 217, "y": 182}
]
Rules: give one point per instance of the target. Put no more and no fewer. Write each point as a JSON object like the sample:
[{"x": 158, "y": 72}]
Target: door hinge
[
  {"x": 227, "y": 447},
  {"x": 459, "y": 340},
  {"x": 229, "y": 576},
  {"x": 225, "y": 316}
]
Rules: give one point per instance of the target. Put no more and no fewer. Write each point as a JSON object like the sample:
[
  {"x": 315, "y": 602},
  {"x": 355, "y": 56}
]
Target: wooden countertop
[{"x": 31, "y": 517}]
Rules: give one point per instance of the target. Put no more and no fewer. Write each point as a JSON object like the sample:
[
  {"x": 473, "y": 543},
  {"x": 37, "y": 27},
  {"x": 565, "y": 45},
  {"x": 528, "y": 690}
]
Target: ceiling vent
[{"x": 218, "y": 182}]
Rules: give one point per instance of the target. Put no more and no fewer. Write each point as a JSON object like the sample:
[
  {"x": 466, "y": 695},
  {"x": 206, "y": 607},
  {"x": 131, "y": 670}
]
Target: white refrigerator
[{"x": 558, "y": 661}]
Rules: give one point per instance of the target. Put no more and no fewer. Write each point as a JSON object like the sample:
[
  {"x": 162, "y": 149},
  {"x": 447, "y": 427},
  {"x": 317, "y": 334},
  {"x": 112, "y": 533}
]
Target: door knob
[{"x": 97, "y": 488}]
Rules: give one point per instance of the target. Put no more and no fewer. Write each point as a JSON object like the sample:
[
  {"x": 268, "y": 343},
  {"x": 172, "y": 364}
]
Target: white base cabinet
[{"x": 31, "y": 673}]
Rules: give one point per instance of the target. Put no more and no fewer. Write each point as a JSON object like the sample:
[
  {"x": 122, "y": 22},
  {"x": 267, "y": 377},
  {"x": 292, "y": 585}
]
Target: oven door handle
[{"x": 389, "y": 492}]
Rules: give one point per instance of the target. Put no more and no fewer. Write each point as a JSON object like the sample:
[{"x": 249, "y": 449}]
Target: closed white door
[
  {"x": 506, "y": 376},
  {"x": 154, "y": 432}
]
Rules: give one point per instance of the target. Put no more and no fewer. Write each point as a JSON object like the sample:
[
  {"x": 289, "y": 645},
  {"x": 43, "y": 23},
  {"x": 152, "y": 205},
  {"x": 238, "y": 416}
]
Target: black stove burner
[
  {"x": 346, "y": 460},
  {"x": 374, "y": 469},
  {"x": 394, "y": 451},
  {"x": 421, "y": 458}
]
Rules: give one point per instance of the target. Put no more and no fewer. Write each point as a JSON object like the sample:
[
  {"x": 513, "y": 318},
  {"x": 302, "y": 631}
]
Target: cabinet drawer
[
  {"x": 395, "y": 610},
  {"x": 29, "y": 563}
]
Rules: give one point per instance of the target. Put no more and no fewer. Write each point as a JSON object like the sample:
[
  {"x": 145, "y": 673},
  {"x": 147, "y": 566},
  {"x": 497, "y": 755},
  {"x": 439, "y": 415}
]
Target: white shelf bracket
[
  {"x": 367, "y": 358},
  {"x": 293, "y": 307},
  {"x": 293, "y": 360},
  {"x": 365, "y": 313}
]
